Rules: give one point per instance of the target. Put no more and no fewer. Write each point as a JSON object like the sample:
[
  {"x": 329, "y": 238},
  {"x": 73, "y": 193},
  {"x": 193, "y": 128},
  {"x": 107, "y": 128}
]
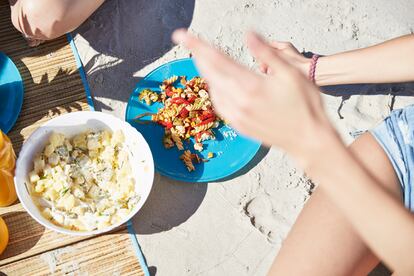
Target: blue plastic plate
[
  {"x": 231, "y": 150},
  {"x": 11, "y": 93}
]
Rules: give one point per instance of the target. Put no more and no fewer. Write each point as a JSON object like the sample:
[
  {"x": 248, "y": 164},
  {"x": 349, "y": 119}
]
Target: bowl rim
[{"x": 60, "y": 229}]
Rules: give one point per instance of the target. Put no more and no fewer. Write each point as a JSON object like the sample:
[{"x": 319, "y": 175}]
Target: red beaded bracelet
[{"x": 312, "y": 67}]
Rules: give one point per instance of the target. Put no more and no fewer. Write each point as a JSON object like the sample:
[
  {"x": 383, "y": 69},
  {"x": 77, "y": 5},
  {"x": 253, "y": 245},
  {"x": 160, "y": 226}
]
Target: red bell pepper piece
[
  {"x": 192, "y": 99},
  {"x": 209, "y": 120},
  {"x": 206, "y": 115},
  {"x": 183, "y": 112},
  {"x": 179, "y": 100},
  {"x": 198, "y": 136},
  {"x": 166, "y": 124},
  {"x": 169, "y": 92}
]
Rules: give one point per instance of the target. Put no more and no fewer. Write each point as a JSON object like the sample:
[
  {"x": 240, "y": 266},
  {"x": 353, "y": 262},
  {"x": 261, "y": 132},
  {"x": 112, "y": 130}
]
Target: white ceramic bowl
[{"x": 72, "y": 124}]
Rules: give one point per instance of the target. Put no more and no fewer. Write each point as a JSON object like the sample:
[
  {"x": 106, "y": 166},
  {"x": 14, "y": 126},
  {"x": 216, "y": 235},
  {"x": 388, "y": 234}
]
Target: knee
[{"x": 34, "y": 19}]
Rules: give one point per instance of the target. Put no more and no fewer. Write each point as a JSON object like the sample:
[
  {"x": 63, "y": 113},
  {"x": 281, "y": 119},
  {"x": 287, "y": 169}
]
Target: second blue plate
[{"x": 11, "y": 93}]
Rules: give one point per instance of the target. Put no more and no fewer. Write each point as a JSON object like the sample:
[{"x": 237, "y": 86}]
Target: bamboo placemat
[{"x": 53, "y": 86}]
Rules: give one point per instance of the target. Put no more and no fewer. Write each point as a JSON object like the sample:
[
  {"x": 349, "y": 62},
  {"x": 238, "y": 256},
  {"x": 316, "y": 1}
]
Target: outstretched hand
[{"x": 282, "y": 109}]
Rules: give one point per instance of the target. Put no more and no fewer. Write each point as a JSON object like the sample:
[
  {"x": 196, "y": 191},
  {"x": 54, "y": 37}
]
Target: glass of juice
[
  {"x": 7, "y": 165},
  {"x": 4, "y": 235}
]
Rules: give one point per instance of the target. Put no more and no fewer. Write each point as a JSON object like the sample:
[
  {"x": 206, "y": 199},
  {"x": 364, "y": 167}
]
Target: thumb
[
  {"x": 281, "y": 45},
  {"x": 265, "y": 52}
]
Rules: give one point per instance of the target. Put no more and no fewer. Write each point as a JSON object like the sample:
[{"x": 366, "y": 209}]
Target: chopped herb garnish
[{"x": 64, "y": 191}]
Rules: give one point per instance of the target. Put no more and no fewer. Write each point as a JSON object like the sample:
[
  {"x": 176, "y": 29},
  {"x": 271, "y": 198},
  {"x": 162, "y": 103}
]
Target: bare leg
[
  {"x": 48, "y": 19},
  {"x": 322, "y": 242}
]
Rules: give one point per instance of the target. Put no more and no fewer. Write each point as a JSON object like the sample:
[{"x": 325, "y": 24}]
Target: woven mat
[{"x": 53, "y": 86}]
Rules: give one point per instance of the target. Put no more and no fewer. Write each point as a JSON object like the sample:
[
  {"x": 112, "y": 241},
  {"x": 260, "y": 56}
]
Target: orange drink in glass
[
  {"x": 7, "y": 164},
  {"x": 4, "y": 235}
]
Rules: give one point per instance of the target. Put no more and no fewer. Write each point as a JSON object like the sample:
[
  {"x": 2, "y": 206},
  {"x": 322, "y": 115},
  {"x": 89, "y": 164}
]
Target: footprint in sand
[{"x": 266, "y": 220}]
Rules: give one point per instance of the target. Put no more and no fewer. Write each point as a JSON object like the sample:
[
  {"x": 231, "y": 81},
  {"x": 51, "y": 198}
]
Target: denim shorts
[{"x": 396, "y": 136}]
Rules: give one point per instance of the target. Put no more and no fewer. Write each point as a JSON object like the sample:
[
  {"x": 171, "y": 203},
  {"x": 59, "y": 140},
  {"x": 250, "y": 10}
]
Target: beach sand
[{"x": 234, "y": 227}]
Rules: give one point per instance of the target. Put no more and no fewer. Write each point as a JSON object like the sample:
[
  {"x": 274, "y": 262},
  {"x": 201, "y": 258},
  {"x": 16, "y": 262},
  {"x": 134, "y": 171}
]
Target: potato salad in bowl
[
  {"x": 84, "y": 183},
  {"x": 88, "y": 179}
]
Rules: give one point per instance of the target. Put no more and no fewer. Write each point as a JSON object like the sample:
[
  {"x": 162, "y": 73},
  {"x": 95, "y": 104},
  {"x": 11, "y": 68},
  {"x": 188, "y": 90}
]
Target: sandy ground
[{"x": 234, "y": 227}]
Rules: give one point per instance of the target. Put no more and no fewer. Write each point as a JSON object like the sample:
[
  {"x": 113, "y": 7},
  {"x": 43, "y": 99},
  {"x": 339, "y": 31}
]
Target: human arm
[
  {"x": 390, "y": 61},
  {"x": 305, "y": 132},
  {"x": 49, "y": 19}
]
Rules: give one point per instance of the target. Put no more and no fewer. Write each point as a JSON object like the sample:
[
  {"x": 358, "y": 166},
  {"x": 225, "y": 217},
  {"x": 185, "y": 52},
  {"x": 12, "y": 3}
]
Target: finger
[
  {"x": 280, "y": 44},
  {"x": 274, "y": 44},
  {"x": 211, "y": 61},
  {"x": 264, "y": 52},
  {"x": 210, "y": 70},
  {"x": 264, "y": 68},
  {"x": 222, "y": 73}
]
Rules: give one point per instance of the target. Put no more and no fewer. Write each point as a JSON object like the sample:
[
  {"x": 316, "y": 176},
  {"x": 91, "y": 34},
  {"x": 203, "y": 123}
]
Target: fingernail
[{"x": 179, "y": 36}]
